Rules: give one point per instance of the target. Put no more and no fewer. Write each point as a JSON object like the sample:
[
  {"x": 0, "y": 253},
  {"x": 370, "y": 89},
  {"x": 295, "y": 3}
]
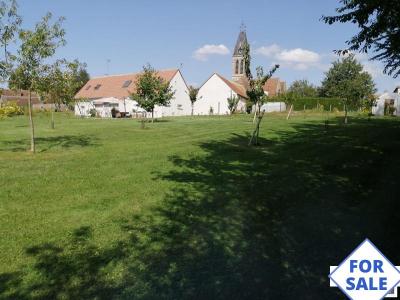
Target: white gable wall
[
  {"x": 214, "y": 93},
  {"x": 180, "y": 104}
]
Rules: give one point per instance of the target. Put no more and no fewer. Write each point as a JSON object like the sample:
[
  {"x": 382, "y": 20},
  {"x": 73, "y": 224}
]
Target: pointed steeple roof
[{"x": 241, "y": 41}]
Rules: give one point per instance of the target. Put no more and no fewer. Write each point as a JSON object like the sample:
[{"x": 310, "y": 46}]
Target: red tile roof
[
  {"x": 237, "y": 88},
  {"x": 274, "y": 86},
  {"x": 112, "y": 86}
]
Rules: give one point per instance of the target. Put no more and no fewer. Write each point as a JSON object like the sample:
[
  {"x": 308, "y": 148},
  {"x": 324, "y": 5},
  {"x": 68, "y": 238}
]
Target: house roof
[
  {"x": 241, "y": 41},
  {"x": 118, "y": 86},
  {"x": 274, "y": 85},
  {"x": 237, "y": 88}
]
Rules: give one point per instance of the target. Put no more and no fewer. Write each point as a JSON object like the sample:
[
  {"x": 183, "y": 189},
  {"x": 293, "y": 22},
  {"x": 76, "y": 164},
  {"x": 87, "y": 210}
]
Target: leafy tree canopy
[
  {"x": 152, "y": 90},
  {"x": 36, "y": 47},
  {"x": 346, "y": 79},
  {"x": 10, "y": 23},
  {"x": 302, "y": 88},
  {"x": 379, "y": 23}
]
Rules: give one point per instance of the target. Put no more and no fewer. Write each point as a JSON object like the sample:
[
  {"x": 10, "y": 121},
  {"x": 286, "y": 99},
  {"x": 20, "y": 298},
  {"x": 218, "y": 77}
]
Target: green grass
[{"x": 184, "y": 209}]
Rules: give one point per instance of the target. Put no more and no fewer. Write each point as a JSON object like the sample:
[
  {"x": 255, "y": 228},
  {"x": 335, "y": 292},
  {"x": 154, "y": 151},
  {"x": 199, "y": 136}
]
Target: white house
[
  {"x": 104, "y": 93},
  {"x": 213, "y": 95},
  {"x": 387, "y": 99}
]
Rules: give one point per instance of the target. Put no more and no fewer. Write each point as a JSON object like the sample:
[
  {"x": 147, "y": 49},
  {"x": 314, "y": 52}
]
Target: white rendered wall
[
  {"x": 214, "y": 93},
  {"x": 180, "y": 104}
]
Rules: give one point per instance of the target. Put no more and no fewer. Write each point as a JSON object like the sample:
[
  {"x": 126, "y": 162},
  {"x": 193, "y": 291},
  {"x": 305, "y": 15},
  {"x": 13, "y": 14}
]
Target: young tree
[
  {"x": 347, "y": 80},
  {"x": 10, "y": 22},
  {"x": 233, "y": 102},
  {"x": 37, "y": 46},
  {"x": 152, "y": 90},
  {"x": 302, "y": 88},
  {"x": 193, "y": 93},
  {"x": 255, "y": 91},
  {"x": 61, "y": 82},
  {"x": 379, "y": 24}
]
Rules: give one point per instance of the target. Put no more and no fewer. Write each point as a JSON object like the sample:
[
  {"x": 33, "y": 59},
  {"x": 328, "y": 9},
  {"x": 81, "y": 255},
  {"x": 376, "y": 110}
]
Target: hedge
[{"x": 313, "y": 103}]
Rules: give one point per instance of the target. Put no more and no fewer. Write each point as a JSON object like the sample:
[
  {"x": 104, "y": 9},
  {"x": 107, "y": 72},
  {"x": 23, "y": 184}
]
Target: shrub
[
  {"x": 92, "y": 112},
  {"x": 10, "y": 109}
]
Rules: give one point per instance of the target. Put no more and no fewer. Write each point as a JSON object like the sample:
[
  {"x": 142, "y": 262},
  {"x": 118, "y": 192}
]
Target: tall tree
[
  {"x": 37, "y": 46},
  {"x": 10, "y": 22},
  {"x": 302, "y": 88},
  {"x": 347, "y": 80},
  {"x": 193, "y": 95},
  {"x": 81, "y": 77},
  {"x": 379, "y": 24},
  {"x": 255, "y": 90},
  {"x": 152, "y": 90}
]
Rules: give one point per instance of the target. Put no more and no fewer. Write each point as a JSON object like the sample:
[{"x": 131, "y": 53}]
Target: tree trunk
[
  {"x": 345, "y": 114},
  {"x": 152, "y": 115},
  {"x": 52, "y": 117},
  {"x": 31, "y": 122},
  {"x": 192, "y": 108}
]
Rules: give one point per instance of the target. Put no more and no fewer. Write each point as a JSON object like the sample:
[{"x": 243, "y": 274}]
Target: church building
[{"x": 214, "y": 93}]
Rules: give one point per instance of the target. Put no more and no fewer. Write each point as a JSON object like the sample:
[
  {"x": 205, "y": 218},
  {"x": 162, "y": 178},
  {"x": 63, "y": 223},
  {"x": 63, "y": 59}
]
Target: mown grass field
[{"x": 184, "y": 209}]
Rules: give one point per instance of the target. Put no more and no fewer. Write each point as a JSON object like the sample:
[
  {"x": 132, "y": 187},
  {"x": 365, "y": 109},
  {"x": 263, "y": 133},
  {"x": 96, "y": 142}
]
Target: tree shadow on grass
[
  {"x": 242, "y": 223},
  {"x": 44, "y": 144}
]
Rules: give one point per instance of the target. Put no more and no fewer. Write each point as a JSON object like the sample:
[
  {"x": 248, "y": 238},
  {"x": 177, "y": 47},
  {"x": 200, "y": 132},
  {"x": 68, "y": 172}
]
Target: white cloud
[
  {"x": 204, "y": 52},
  {"x": 372, "y": 67},
  {"x": 298, "y": 58},
  {"x": 269, "y": 51},
  {"x": 298, "y": 55}
]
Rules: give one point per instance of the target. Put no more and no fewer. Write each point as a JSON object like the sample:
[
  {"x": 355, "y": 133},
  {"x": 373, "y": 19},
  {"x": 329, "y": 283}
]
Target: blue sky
[{"x": 199, "y": 36}]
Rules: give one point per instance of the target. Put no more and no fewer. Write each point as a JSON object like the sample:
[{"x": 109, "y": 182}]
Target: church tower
[{"x": 238, "y": 64}]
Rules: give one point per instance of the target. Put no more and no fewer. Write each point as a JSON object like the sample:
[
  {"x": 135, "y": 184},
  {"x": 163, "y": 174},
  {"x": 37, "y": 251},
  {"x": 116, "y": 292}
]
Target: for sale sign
[{"x": 366, "y": 274}]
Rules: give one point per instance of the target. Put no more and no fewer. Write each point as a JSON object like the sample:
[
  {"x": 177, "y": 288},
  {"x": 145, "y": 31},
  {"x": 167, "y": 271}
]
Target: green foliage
[
  {"x": 193, "y": 96},
  {"x": 152, "y": 90},
  {"x": 302, "y": 88},
  {"x": 379, "y": 23},
  {"x": 347, "y": 80},
  {"x": 233, "y": 102},
  {"x": 193, "y": 91},
  {"x": 10, "y": 22},
  {"x": 312, "y": 102},
  {"x": 61, "y": 81},
  {"x": 81, "y": 77},
  {"x": 10, "y": 109},
  {"x": 93, "y": 112},
  {"x": 37, "y": 46},
  {"x": 255, "y": 90}
]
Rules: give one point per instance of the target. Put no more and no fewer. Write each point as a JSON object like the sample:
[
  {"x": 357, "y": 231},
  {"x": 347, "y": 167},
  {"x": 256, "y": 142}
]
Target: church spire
[{"x": 238, "y": 63}]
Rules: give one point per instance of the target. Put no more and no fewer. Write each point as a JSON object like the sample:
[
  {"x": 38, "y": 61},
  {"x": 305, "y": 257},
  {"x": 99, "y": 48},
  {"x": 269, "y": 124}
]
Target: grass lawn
[{"x": 184, "y": 209}]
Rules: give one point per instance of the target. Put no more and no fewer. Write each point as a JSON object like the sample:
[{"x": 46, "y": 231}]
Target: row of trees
[
  {"x": 33, "y": 67},
  {"x": 345, "y": 80}
]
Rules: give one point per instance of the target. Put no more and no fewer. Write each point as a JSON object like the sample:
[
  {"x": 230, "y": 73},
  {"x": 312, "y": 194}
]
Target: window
[
  {"x": 88, "y": 87},
  {"x": 241, "y": 67},
  {"x": 127, "y": 83},
  {"x": 97, "y": 86},
  {"x": 237, "y": 67}
]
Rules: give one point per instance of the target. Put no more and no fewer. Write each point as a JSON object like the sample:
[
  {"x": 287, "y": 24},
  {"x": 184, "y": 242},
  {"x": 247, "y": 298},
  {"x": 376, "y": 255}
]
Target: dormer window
[
  {"x": 127, "y": 83},
  {"x": 97, "y": 87},
  {"x": 88, "y": 87}
]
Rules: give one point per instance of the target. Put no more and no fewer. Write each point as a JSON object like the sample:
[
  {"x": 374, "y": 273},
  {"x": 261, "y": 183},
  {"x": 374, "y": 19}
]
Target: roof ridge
[{"x": 126, "y": 74}]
